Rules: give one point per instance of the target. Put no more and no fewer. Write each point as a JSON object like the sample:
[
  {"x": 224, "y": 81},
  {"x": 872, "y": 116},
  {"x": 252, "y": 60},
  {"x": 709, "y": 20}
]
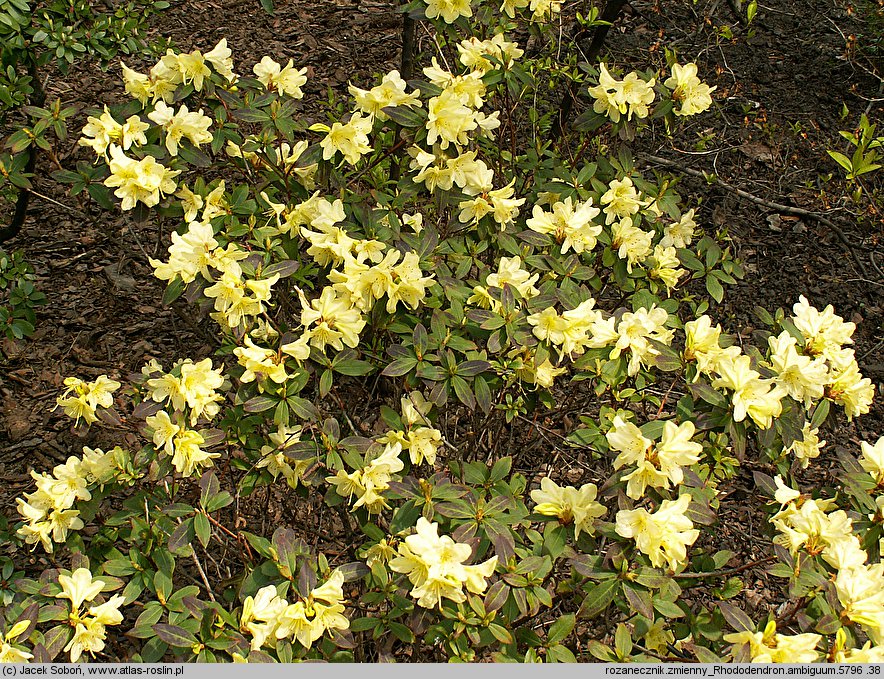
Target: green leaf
[
  {"x": 173, "y": 290},
  {"x": 406, "y": 116},
  {"x": 175, "y": 636},
  {"x": 598, "y": 598},
  {"x": 561, "y": 628},
  {"x": 736, "y": 618},
  {"x": 101, "y": 195},
  {"x": 202, "y": 528},
  {"x": 399, "y": 367},
  {"x": 715, "y": 289},
  {"x": 622, "y": 641},
  {"x": 401, "y": 632},
  {"x": 841, "y": 159},
  {"x": 559, "y": 653},
  {"x": 354, "y": 368},
  {"x": 667, "y": 608},
  {"x": 259, "y": 404}
]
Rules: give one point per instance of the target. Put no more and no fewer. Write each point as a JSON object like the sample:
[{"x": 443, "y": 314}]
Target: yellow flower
[
  {"x": 679, "y": 234},
  {"x": 872, "y": 459},
  {"x": 542, "y": 10},
  {"x": 658, "y": 465},
  {"x": 190, "y": 124},
  {"x": 449, "y": 10},
  {"x": 621, "y": 201},
  {"x": 105, "y": 130},
  {"x": 189, "y": 457},
  {"x": 634, "y": 245},
  {"x": 770, "y": 647},
  {"x": 824, "y": 331},
  {"x": 569, "y": 504},
  {"x": 663, "y": 535},
  {"x": 220, "y": 58},
  {"x": 88, "y": 397},
  {"x": 665, "y": 266},
  {"x": 391, "y": 92},
  {"x": 802, "y": 377},
  {"x": 474, "y": 53},
  {"x": 330, "y": 321},
  {"x": 449, "y": 120},
  {"x": 143, "y": 180},
  {"x": 287, "y": 80},
  {"x": 434, "y": 565},
  {"x": 261, "y": 615},
  {"x": 509, "y": 7},
  {"x": 867, "y": 654},
  {"x": 189, "y": 254},
  {"x": 808, "y": 448},
  {"x": 422, "y": 444},
  {"x": 688, "y": 91},
  {"x": 88, "y": 637},
  {"x": 630, "y": 96},
  {"x": 810, "y": 528},
  {"x": 350, "y": 139},
  {"x": 570, "y": 224},
  {"x": 861, "y": 592},
  {"x": 79, "y": 587},
  {"x": 758, "y": 398},
  {"x": 260, "y": 363}
]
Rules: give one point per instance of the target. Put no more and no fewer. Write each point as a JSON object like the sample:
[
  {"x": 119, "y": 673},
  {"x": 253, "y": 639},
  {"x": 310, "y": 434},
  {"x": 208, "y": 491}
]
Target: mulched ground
[{"x": 779, "y": 97}]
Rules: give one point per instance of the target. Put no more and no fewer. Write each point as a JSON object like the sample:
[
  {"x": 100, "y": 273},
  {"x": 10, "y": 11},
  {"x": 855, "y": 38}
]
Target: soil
[{"x": 781, "y": 86}]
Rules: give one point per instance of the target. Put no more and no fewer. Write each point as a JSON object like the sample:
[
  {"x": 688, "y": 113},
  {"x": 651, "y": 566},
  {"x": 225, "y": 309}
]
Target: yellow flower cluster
[
  {"x": 628, "y": 97},
  {"x": 391, "y": 92},
  {"x": 275, "y": 461},
  {"x": 805, "y": 524},
  {"x": 663, "y": 535},
  {"x": 571, "y": 225},
  {"x": 420, "y": 439},
  {"x": 691, "y": 95},
  {"x": 822, "y": 367},
  {"x": 192, "y": 125},
  {"x": 9, "y": 651},
  {"x": 475, "y": 53},
  {"x": 49, "y": 510},
  {"x": 99, "y": 133},
  {"x": 268, "y": 618},
  {"x": 369, "y": 482},
  {"x": 350, "y": 139},
  {"x": 82, "y": 399},
  {"x": 511, "y": 273},
  {"x": 658, "y": 464},
  {"x": 179, "y": 442},
  {"x": 238, "y": 300},
  {"x": 435, "y": 566},
  {"x": 90, "y": 624},
  {"x": 771, "y": 647},
  {"x": 173, "y": 70},
  {"x": 872, "y": 460},
  {"x": 283, "y": 79},
  {"x": 454, "y": 112},
  {"x": 144, "y": 180},
  {"x": 569, "y": 505},
  {"x": 825, "y": 334},
  {"x": 195, "y": 387},
  {"x": 448, "y": 10}
]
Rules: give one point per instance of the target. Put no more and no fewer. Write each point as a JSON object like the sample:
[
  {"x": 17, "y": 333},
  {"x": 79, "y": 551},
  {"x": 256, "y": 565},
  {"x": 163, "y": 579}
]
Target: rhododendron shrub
[{"x": 430, "y": 243}]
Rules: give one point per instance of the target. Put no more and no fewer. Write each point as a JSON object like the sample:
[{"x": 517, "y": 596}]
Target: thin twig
[
  {"x": 780, "y": 207},
  {"x": 724, "y": 572},
  {"x": 199, "y": 567}
]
